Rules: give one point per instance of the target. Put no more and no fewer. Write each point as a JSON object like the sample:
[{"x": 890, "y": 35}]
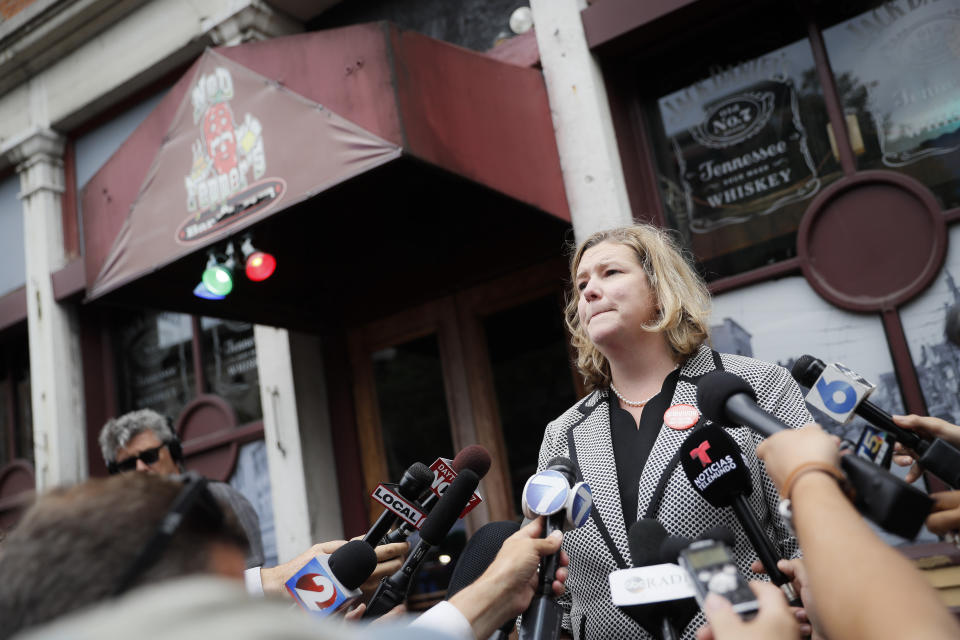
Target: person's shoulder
[
  {"x": 745, "y": 365},
  {"x": 582, "y": 407}
]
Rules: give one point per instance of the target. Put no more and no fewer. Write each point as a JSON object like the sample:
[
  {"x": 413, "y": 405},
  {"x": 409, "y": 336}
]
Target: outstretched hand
[
  {"x": 774, "y": 618},
  {"x": 927, "y": 427}
]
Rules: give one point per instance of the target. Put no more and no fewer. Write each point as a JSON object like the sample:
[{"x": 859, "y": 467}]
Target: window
[
  {"x": 896, "y": 66},
  {"x": 16, "y": 421},
  {"x": 741, "y": 146}
]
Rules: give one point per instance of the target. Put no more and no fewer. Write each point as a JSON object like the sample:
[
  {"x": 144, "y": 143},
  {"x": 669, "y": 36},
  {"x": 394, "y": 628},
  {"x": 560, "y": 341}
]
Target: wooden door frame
[{"x": 457, "y": 321}]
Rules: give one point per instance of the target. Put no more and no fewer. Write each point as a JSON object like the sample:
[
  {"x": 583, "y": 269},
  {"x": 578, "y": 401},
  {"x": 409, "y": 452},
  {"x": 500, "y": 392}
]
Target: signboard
[{"x": 746, "y": 157}]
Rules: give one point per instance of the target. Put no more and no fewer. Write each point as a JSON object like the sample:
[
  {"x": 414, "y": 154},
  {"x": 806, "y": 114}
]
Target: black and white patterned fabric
[{"x": 582, "y": 433}]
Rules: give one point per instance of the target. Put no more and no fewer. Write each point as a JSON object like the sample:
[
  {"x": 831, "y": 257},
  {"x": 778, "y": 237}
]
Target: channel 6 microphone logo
[
  {"x": 838, "y": 391},
  {"x": 546, "y": 492},
  {"x": 314, "y": 589}
]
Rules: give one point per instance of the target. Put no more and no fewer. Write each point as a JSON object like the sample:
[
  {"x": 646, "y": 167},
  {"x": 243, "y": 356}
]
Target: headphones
[
  {"x": 173, "y": 443},
  {"x": 176, "y": 449},
  {"x": 194, "y": 492}
]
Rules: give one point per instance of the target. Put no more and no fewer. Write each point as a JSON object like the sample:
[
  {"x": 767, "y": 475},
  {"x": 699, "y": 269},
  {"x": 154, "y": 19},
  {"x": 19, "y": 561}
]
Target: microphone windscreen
[
  {"x": 671, "y": 548},
  {"x": 353, "y": 563},
  {"x": 807, "y": 369},
  {"x": 714, "y": 465},
  {"x": 449, "y": 507},
  {"x": 473, "y": 457},
  {"x": 720, "y": 534},
  {"x": 479, "y": 552},
  {"x": 715, "y": 388},
  {"x": 644, "y": 539},
  {"x": 415, "y": 480}
]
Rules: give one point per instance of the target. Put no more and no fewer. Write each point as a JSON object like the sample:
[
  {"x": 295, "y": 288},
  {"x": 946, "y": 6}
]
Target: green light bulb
[{"x": 218, "y": 279}]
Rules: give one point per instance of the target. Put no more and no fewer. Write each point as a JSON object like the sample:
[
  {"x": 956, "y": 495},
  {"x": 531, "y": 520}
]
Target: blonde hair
[{"x": 680, "y": 293}]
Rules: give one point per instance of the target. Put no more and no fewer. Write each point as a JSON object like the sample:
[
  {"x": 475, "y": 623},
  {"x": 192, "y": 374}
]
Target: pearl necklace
[{"x": 634, "y": 403}]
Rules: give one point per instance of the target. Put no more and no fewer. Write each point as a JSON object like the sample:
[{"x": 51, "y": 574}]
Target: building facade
[{"x": 419, "y": 182}]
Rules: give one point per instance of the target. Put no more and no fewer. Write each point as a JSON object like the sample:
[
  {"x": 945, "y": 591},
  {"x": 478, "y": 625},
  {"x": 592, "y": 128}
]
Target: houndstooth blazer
[{"x": 582, "y": 434}]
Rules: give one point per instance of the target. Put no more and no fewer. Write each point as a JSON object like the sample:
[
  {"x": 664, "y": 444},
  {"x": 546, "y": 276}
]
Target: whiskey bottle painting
[{"x": 748, "y": 157}]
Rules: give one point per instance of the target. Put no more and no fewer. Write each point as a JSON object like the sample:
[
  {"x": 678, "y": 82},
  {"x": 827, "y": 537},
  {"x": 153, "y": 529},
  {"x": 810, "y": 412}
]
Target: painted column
[
  {"x": 586, "y": 142},
  {"x": 56, "y": 376},
  {"x": 296, "y": 426}
]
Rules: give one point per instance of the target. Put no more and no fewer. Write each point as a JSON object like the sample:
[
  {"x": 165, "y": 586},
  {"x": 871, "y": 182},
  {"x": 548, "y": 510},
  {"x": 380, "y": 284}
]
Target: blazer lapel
[
  {"x": 594, "y": 452},
  {"x": 669, "y": 440}
]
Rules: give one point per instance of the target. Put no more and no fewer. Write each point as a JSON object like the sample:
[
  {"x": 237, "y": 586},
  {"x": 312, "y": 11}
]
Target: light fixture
[
  {"x": 201, "y": 291},
  {"x": 258, "y": 265},
  {"x": 218, "y": 276}
]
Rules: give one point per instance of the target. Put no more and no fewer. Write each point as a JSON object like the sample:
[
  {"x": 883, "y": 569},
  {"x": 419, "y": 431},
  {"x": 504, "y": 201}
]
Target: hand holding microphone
[
  {"x": 509, "y": 582},
  {"x": 891, "y": 503},
  {"x": 327, "y": 584},
  {"x": 393, "y": 590},
  {"x": 840, "y": 393},
  {"x": 549, "y": 494}
]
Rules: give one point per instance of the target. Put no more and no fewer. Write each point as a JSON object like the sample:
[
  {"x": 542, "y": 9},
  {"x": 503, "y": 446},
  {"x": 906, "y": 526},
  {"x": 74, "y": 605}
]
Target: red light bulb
[{"x": 260, "y": 266}]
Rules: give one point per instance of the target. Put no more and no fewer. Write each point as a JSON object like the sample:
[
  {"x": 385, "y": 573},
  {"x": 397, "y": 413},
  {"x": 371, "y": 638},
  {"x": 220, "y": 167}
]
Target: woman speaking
[{"x": 638, "y": 317}]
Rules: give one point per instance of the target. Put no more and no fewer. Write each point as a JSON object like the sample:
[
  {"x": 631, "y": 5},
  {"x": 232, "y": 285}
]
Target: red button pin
[{"x": 681, "y": 417}]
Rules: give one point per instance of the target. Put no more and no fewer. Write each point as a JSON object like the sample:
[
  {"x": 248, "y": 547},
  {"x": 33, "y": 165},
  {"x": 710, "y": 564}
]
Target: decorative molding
[
  {"x": 39, "y": 161},
  {"x": 253, "y": 22}
]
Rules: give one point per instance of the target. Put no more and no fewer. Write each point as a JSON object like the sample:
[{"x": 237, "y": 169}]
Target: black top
[{"x": 631, "y": 446}]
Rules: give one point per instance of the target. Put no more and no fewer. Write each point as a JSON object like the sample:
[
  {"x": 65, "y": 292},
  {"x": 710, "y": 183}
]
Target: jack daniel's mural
[
  {"x": 740, "y": 152},
  {"x": 748, "y": 156}
]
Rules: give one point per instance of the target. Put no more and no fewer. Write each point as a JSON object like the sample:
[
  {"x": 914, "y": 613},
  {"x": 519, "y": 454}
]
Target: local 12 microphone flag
[{"x": 315, "y": 588}]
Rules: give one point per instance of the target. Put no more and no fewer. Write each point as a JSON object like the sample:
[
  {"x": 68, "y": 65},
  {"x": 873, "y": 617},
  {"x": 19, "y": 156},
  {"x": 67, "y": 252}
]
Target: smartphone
[{"x": 713, "y": 568}]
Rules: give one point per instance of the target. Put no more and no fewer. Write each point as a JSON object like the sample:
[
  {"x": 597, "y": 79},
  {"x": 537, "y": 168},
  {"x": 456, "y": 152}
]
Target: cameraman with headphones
[{"x": 144, "y": 441}]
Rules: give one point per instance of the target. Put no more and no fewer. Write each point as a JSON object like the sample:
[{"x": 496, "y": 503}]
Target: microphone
[
  {"x": 477, "y": 555},
  {"x": 656, "y": 593},
  {"x": 473, "y": 457},
  {"x": 329, "y": 583},
  {"x": 549, "y": 493},
  {"x": 828, "y": 382},
  {"x": 716, "y": 469},
  {"x": 393, "y": 590},
  {"x": 875, "y": 445},
  {"x": 415, "y": 481},
  {"x": 880, "y": 496}
]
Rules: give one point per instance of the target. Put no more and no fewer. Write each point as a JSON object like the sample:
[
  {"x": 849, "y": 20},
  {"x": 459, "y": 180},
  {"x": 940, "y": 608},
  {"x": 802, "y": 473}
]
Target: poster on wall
[
  {"x": 935, "y": 357},
  {"x": 747, "y": 157}
]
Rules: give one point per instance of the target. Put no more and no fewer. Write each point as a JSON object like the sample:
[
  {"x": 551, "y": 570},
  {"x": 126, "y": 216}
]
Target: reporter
[
  {"x": 774, "y": 620},
  {"x": 848, "y": 567}
]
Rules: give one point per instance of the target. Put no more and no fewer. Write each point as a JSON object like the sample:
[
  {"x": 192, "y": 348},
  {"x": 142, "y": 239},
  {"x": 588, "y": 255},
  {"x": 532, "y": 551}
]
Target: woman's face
[{"x": 615, "y": 298}]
